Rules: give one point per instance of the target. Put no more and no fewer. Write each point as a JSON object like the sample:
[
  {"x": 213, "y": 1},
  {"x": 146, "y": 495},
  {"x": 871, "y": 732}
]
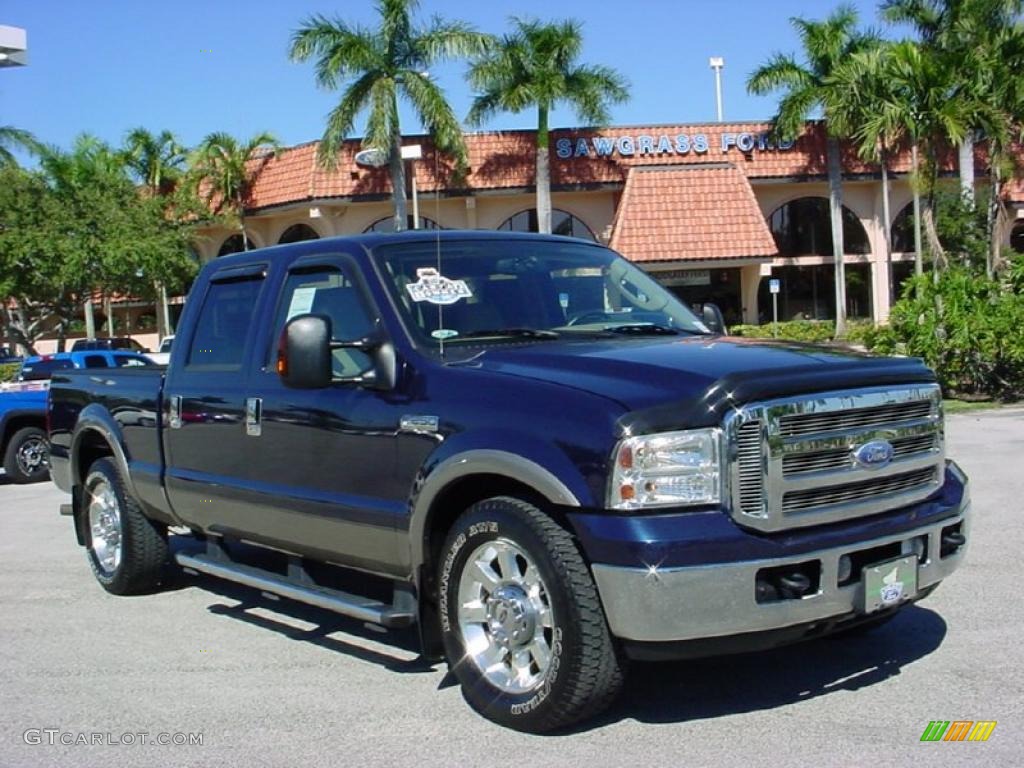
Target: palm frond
[{"x": 342, "y": 118}]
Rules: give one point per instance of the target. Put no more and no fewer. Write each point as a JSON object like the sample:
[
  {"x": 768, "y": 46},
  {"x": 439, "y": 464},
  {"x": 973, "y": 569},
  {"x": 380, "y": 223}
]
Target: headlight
[{"x": 667, "y": 469}]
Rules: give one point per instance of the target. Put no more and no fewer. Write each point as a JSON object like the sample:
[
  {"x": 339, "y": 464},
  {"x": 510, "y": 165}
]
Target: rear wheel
[
  {"x": 27, "y": 458},
  {"x": 126, "y": 550},
  {"x": 522, "y": 623}
]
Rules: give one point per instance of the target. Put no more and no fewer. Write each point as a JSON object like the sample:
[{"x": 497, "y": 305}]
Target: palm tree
[
  {"x": 224, "y": 170},
  {"x": 806, "y": 87},
  {"x": 157, "y": 160},
  {"x": 376, "y": 67},
  {"x": 966, "y": 33},
  {"x": 926, "y": 101},
  {"x": 535, "y": 66},
  {"x": 859, "y": 88},
  {"x": 15, "y": 137}
]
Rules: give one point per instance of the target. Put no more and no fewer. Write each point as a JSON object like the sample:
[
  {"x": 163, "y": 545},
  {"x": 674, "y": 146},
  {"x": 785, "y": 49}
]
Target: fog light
[{"x": 845, "y": 568}]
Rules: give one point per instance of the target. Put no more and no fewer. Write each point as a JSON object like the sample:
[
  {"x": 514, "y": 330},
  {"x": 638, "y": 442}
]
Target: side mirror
[
  {"x": 714, "y": 319},
  {"x": 304, "y": 356},
  {"x": 304, "y": 352}
]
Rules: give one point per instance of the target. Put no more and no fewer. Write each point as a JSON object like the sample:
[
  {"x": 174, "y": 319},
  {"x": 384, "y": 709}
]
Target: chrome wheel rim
[
  {"x": 105, "y": 526},
  {"x": 505, "y": 617},
  {"x": 32, "y": 455}
]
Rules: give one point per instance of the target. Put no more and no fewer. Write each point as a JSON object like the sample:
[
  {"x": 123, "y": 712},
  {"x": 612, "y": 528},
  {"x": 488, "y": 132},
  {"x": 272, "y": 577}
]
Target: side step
[{"x": 330, "y": 599}]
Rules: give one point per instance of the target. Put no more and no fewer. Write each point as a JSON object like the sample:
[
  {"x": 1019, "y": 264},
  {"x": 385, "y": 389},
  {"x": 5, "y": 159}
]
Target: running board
[{"x": 353, "y": 606}]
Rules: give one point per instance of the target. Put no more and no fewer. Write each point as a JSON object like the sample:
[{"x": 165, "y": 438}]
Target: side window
[
  {"x": 224, "y": 322},
  {"x": 95, "y": 361},
  {"x": 331, "y": 293}
]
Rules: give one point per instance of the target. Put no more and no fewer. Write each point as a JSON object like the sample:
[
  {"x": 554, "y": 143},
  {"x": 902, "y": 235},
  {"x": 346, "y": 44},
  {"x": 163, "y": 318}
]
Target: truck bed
[{"x": 127, "y": 403}]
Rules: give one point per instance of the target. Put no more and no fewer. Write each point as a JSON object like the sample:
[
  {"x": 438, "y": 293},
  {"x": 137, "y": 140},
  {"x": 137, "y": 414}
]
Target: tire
[
  {"x": 533, "y": 610},
  {"x": 126, "y": 551},
  {"x": 27, "y": 458}
]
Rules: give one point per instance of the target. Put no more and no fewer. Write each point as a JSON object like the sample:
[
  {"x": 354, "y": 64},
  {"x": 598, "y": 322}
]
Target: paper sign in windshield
[{"x": 435, "y": 288}]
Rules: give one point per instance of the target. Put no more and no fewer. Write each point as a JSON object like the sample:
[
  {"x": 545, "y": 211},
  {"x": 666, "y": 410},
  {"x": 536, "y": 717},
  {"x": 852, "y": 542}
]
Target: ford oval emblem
[{"x": 873, "y": 455}]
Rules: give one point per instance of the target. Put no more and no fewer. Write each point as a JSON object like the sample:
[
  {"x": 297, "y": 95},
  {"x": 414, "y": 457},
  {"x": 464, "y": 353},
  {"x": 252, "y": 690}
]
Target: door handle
[
  {"x": 254, "y": 416},
  {"x": 175, "y": 419}
]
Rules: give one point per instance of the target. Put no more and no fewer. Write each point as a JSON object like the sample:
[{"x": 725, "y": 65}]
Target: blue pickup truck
[
  {"x": 521, "y": 445},
  {"x": 23, "y": 444}
]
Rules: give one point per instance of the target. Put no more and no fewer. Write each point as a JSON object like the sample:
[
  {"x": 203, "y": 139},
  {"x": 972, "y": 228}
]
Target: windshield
[{"x": 494, "y": 289}]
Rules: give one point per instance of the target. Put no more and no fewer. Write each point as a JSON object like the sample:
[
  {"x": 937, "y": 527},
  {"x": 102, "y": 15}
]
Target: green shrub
[
  {"x": 812, "y": 331},
  {"x": 967, "y": 328},
  {"x": 8, "y": 371}
]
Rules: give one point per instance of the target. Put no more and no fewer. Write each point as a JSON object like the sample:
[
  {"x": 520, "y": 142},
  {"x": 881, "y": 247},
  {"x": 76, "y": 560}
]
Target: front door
[{"x": 321, "y": 462}]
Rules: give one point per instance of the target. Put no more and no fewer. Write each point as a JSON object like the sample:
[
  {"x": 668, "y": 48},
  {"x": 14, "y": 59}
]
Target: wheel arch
[{"x": 97, "y": 435}]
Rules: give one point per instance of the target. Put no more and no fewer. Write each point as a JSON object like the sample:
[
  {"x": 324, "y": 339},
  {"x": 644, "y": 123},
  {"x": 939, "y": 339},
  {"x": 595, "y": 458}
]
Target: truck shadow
[
  {"x": 700, "y": 689},
  {"x": 664, "y": 692}
]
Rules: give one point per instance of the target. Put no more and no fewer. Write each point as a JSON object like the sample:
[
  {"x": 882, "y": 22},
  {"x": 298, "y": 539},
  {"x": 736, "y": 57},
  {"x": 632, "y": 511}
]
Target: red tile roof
[
  {"x": 505, "y": 160},
  {"x": 692, "y": 212}
]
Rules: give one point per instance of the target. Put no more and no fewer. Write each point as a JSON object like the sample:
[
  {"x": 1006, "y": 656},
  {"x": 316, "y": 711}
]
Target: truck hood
[{"x": 694, "y": 380}]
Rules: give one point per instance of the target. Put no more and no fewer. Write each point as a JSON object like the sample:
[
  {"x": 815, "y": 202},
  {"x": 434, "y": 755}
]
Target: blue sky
[{"x": 195, "y": 67}]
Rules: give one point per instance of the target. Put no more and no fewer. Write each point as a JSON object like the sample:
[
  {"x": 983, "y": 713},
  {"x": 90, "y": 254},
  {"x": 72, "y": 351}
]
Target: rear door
[{"x": 204, "y": 401}]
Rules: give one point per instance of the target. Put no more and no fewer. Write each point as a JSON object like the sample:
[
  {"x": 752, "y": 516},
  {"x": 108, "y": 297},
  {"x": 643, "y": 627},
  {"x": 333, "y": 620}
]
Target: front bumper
[{"x": 654, "y": 604}]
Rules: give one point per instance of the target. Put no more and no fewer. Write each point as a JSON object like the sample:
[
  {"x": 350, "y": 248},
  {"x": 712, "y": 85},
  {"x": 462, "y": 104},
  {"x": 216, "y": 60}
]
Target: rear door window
[
  {"x": 95, "y": 361},
  {"x": 225, "y": 322}
]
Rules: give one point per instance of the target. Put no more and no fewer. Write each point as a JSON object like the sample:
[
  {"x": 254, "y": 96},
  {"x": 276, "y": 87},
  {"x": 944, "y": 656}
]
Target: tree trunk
[
  {"x": 994, "y": 219},
  {"x": 396, "y": 167},
  {"x": 835, "y": 204},
  {"x": 543, "y": 175},
  {"x": 967, "y": 168},
  {"x": 886, "y": 216},
  {"x": 90, "y": 320},
  {"x": 241, "y": 225},
  {"x": 915, "y": 186}
]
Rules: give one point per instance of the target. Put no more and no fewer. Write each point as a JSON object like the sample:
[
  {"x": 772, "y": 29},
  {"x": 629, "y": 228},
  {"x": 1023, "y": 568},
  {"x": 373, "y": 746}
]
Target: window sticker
[
  {"x": 434, "y": 288},
  {"x": 302, "y": 302},
  {"x": 444, "y": 333}
]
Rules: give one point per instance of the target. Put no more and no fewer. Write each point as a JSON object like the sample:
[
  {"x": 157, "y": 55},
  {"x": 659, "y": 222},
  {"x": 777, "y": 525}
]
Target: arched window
[
  {"x": 296, "y": 233},
  {"x": 562, "y": 223},
  {"x": 234, "y": 245},
  {"x": 803, "y": 227},
  {"x": 1017, "y": 238},
  {"x": 388, "y": 224},
  {"x": 902, "y": 232}
]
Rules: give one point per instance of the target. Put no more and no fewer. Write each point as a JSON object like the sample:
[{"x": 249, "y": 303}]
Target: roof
[
  {"x": 505, "y": 160},
  {"x": 693, "y": 212}
]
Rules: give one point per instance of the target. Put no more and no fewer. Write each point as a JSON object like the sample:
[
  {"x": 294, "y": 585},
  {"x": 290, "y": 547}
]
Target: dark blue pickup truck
[{"x": 523, "y": 446}]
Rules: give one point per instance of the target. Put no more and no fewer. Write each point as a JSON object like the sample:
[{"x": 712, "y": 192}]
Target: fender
[
  {"x": 477, "y": 462},
  {"x": 7, "y": 416},
  {"x": 96, "y": 418}
]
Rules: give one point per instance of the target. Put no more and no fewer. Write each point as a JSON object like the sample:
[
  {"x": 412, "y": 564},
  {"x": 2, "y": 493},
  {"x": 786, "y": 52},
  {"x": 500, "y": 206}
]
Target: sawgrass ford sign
[{"x": 678, "y": 144}]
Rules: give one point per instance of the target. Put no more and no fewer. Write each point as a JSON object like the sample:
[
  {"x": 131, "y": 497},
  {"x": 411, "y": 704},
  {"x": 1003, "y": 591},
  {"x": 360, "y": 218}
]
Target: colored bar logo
[{"x": 958, "y": 730}]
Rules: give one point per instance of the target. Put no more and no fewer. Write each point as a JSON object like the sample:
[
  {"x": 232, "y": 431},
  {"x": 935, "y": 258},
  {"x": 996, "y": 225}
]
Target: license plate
[{"x": 889, "y": 583}]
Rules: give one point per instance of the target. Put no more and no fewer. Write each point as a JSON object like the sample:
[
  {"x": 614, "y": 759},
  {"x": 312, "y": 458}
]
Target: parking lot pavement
[{"x": 279, "y": 684}]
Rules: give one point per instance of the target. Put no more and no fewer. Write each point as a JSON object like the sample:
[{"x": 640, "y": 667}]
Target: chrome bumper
[{"x": 671, "y": 604}]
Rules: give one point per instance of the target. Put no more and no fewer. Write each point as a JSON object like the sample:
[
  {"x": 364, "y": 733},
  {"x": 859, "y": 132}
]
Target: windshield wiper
[
  {"x": 642, "y": 329},
  {"x": 519, "y": 333}
]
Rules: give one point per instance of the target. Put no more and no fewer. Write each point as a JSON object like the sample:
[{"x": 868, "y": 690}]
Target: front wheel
[
  {"x": 522, "y": 623},
  {"x": 27, "y": 458}
]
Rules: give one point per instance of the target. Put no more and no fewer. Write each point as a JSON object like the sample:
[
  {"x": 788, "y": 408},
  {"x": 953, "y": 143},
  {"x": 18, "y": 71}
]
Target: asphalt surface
[{"x": 279, "y": 684}]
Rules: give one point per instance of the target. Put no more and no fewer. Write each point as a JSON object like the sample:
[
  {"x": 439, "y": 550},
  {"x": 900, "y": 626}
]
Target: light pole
[{"x": 717, "y": 63}]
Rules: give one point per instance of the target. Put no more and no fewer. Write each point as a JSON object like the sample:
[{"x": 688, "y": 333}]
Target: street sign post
[{"x": 773, "y": 286}]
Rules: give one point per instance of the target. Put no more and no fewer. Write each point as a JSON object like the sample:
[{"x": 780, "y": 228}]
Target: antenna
[{"x": 437, "y": 240}]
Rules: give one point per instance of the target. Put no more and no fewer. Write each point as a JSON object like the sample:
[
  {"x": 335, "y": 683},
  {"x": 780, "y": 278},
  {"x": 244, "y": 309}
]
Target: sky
[{"x": 107, "y": 66}]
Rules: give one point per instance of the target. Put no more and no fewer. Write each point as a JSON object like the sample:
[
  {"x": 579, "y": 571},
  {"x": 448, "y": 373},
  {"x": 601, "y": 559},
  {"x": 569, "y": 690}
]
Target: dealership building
[{"x": 712, "y": 211}]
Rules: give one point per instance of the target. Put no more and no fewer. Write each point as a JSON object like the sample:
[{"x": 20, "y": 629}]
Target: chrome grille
[
  {"x": 751, "y": 471},
  {"x": 816, "y": 462},
  {"x": 793, "y": 460},
  {"x": 810, "y": 423},
  {"x": 798, "y": 501}
]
